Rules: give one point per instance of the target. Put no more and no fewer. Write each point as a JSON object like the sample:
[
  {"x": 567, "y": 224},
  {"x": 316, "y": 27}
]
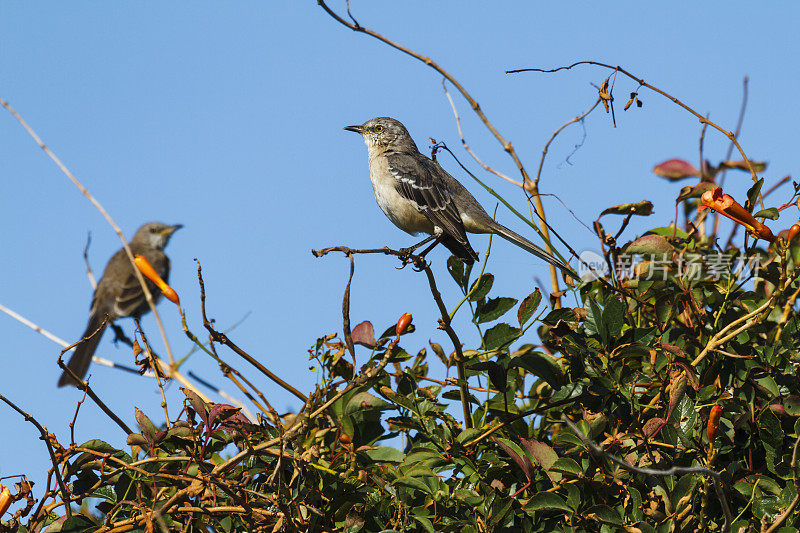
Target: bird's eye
[
  {"x": 153, "y": 230},
  {"x": 377, "y": 129}
]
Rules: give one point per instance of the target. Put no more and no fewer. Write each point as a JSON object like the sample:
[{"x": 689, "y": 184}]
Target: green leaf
[
  {"x": 385, "y": 454},
  {"x": 770, "y": 431},
  {"x": 669, "y": 232},
  {"x": 643, "y": 208},
  {"x": 567, "y": 465},
  {"x": 99, "y": 446},
  {"x": 649, "y": 245},
  {"x": 636, "y": 503},
  {"x": 455, "y": 394},
  {"x": 766, "y": 507},
  {"x": 468, "y": 434},
  {"x": 499, "y": 336},
  {"x": 541, "y": 365},
  {"x": 391, "y": 331},
  {"x": 497, "y": 374},
  {"x": 426, "y": 524},
  {"x": 456, "y": 268},
  {"x": 604, "y": 514},
  {"x": 594, "y": 320},
  {"x": 399, "y": 399},
  {"x": 105, "y": 492},
  {"x": 614, "y": 316},
  {"x": 149, "y": 429},
  {"x": 78, "y": 523},
  {"x": 414, "y": 483},
  {"x": 770, "y": 213},
  {"x": 493, "y": 308},
  {"x": 752, "y": 194},
  {"x": 439, "y": 351},
  {"x": 528, "y": 307},
  {"x": 792, "y": 405},
  {"x": 547, "y": 501},
  {"x": 481, "y": 287},
  {"x": 544, "y": 455},
  {"x": 768, "y": 382},
  {"x": 790, "y": 333},
  {"x": 468, "y": 496},
  {"x": 364, "y": 401}
]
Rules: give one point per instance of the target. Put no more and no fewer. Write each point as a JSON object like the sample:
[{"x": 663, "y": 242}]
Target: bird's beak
[
  {"x": 357, "y": 129},
  {"x": 172, "y": 229}
]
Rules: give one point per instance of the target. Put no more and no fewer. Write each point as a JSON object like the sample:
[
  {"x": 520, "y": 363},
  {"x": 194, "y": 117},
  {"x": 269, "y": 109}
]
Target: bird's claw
[
  {"x": 407, "y": 257},
  {"x": 420, "y": 264}
]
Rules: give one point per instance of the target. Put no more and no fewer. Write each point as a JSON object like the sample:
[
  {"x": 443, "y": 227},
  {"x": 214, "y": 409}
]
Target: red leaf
[
  {"x": 364, "y": 334},
  {"x": 652, "y": 427},
  {"x": 675, "y": 169}
]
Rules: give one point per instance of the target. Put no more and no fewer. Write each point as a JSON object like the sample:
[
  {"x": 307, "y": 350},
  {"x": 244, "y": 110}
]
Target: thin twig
[
  {"x": 348, "y": 337},
  {"x": 444, "y": 321},
  {"x": 719, "y": 484},
  {"x": 721, "y": 338},
  {"x": 221, "y": 338},
  {"x": 225, "y": 395},
  {"x": 730, "y": 135},
  {"x": 739, "y": 122},
  {"x": 528, "y": 187},
  {"x": 737, "y": 131},
  {"x": 45, "y": 436},
  {"x": 358, "y": 381},
  {"x": 507, "y": 146},
  {"x": 89, "y": 273},
  {"x": 555, "y": 134},
  {"x": 101, "y": 209},
  {"x": 155, "y": 364},
  {"x": 467, "y": 147},
  {"x": 75, "y": 419}
]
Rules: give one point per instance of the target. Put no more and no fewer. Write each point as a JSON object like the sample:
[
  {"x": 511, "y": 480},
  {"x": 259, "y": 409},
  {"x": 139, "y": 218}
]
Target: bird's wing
[
  {"x": 130, "y": 298},
  {"x": 120, "y": 292},
  {"x": 418, "y": 182}
]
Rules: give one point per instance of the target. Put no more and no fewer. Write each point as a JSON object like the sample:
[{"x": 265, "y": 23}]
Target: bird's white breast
[{"x": 401, "y": 211}]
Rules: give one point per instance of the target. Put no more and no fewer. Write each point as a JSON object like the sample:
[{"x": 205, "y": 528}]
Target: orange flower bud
[
  {"x": 149, "y": 272},
  {"x": 726, "y": 206},
  {"x": 713, "y": 423},
  {"x": 793, "y": 232},
  {"x": 403, "y": 323},
  {"x": 5, "y": 499},
  {"x": 344, "y": 438}
]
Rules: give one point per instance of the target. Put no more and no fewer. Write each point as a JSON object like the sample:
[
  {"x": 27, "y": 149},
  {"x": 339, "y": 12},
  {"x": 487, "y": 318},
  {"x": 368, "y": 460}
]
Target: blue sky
[{"x": 228, "y": 118}]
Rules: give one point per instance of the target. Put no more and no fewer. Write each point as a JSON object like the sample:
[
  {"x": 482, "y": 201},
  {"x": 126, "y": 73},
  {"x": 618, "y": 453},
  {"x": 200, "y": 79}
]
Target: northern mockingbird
[
  {"x": 419, "y": 196},
  {"x": 119, "y": 294}
]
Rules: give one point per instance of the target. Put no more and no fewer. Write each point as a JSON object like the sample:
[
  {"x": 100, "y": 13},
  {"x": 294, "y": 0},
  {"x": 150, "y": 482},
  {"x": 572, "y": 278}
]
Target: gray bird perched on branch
[
  {"x": 119, "y": 293},
  {"x": 419, "y": 196}
]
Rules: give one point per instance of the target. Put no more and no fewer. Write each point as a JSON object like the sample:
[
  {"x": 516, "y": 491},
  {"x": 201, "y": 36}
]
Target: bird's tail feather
[
  {"x": 528, "y": 246},
  {"x": 461, "y": 250},
  {"x": 79, "y": 362}
]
